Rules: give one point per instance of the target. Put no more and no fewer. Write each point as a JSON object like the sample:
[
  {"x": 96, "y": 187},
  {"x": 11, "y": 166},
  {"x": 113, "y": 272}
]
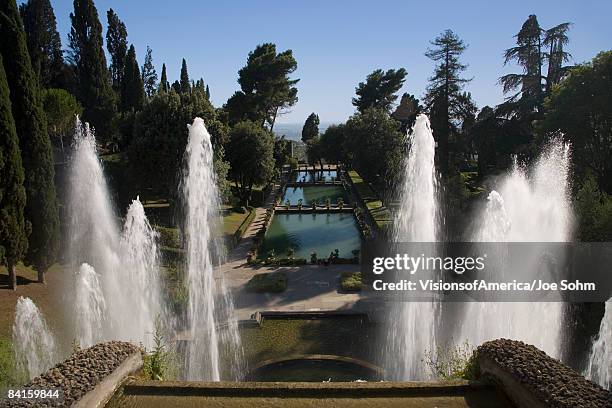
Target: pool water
[
  {"x": 307, "y": 176},
  {"x": 310, "y": 193},
  {"x": 305, "y": 233}
]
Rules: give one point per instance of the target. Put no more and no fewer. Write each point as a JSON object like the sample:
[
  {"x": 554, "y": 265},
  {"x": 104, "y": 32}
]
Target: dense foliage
[
  {"x": 13, "y": 238},
  {"x": 250, "y": 153},
  {"x": 41, "y": 206}
]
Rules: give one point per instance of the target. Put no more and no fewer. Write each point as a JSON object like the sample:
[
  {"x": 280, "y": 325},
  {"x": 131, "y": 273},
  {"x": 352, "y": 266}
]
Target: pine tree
[
  {"x": 95, "y": 92},
  {"x": 117, "y": 45},
  {"x": 164, "y": 85},
  {"x": 13, "y": 238},
  {"x": 132, "y": 90},
  {"x": 443, "y": 98},
  {"x": 41, "y": 207},
  {"x": 185, "y": 84},
  {"x": 44, "y": 44},
  {"x": 149, "y": 76}
]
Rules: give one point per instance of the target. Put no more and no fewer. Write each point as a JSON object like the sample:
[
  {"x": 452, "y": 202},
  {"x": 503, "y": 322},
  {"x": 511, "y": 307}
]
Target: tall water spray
[
  {"x": 209, "y": 301},
  {"x": 117, "y": 282},
  {"x": 528, "y": 207},
  {"x": 599, "y": 367},
  {"x": 34, "y": 345},
  {"x": 412, "y": 330}
]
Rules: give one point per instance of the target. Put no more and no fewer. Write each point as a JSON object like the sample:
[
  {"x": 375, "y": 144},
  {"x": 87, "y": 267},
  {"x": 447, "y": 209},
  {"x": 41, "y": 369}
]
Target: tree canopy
[
  {"x": 266, "y": 88},
  {"x": 310, "y": 130},
  {"x": 579, "y": 107},
  {"x": 379, "y": 90},
  {"x": 251, "y": 155}
]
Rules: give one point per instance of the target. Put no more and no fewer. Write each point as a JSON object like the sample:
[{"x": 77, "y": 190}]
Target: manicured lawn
[
  {"x": 279, "y": 338},
  {"x": 379, "y": 213},
  {"x": 272, "y": 282}
]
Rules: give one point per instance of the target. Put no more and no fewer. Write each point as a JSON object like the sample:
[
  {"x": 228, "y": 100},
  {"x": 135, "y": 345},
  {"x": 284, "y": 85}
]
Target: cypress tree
[
  {"x": 132, "y": 90},
  {"x": 149, "y": 76},
  {"x": 185, "y": 84},
  {"x": 116, "y": 44},
  {"x": 207, "y": 93},
  {"x": 13, "y": 239},
  {"x": 41, "y": 208},
  {"x": 164, "y": 85},
  {"x": 95, "y": 92},
  {"x": 44, "y": 44}
]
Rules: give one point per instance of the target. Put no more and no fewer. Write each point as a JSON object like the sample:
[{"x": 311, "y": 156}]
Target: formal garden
[{"x": 161, "y": 247}]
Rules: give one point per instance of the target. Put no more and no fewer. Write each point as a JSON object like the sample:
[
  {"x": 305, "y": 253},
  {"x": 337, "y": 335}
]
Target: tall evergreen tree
[
  {"x": 13, "y": 237},
  {"x": 185, "y": 84},
  {"x": 528, "y": 55},
  {"x": 95, "y": 92},
  {"x": 149, "y": 76},
  {"x": 41, "y": 207},
  {"x": 379, "y": 90},
  {"x": 443, "y": 98},
  {"x": 117, "y": 46},
  {"x": 310, "y": 130},
  {"x": 44, "y": 44},
  {"x": 556, "y": 39},
  {"x": 132, "y": 90},
  {"x": 207, "y": 92},
  {"x": 164, "y": 85}
]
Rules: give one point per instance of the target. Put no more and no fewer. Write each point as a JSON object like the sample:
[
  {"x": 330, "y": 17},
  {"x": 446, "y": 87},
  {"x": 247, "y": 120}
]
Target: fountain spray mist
[
  {"x": 528, "y": 207},
  {"x": 209, "y": 301},
  {"x": 599, "y": 368},
  {"x": 34, "y": 345},
  {"x": 412, "y": 330},
  {"x": 117, "y": 283}
]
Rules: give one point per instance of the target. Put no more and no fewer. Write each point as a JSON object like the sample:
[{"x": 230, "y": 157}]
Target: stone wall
[
  {"x": 88, "y": 378},
  {"x": 530, "y": 378}
]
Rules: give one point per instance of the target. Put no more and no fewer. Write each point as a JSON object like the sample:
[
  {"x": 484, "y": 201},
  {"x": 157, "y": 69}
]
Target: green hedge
[
  {"x": 379, "y": 213},
  {"x": 243, "y": 227},
  {"x": 274, "y": 282},
  {"x": 351, "y": 281},
  {"x": 168, "y": 237}
]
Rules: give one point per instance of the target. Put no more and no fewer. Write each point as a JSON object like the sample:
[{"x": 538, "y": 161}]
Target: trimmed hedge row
[
  {"x": 378, "y": 212},
  {"x": 243, "y": 227}
]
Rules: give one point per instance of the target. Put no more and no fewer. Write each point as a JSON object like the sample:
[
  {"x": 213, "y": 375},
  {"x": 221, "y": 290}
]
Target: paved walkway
[{"x": 309, "y": 287}]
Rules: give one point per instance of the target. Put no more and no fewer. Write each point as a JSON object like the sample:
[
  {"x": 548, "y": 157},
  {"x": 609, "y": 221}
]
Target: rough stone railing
[
  {"x": 530, "y": 378},
  {"x": 88, "y": 378}
]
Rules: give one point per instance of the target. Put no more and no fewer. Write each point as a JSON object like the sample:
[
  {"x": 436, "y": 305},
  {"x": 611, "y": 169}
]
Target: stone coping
[
  {"x": 91, "y": 374},
  {"x": 302, "y": 389},
  {"x": 531, "y": 378}
]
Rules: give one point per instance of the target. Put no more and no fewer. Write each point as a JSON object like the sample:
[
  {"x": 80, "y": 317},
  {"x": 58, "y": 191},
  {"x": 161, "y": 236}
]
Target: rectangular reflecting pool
[
  {"x": 305, "y": 233},
  {"x": 304, "y": 176},
  {"x": 313, "y": 193}
]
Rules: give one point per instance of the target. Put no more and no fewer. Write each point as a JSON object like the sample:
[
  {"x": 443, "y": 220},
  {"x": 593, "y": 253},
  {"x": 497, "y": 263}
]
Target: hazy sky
[{"x": 337, "y": 43}]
